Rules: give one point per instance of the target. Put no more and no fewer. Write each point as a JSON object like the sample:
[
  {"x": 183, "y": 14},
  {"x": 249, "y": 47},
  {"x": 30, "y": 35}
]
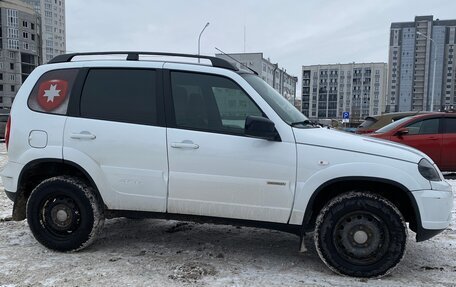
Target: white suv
[{"x": 89, "y": 140}]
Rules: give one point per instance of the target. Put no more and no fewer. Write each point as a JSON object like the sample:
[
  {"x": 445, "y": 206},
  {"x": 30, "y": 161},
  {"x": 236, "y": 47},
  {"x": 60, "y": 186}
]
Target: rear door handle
[
  {"x": 84, "y": 135},
  {"x": 185, "y": 145}
]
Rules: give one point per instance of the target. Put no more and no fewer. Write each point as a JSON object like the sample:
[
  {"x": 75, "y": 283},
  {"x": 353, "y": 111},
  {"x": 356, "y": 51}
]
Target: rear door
[
  {"x": 425, "y": 136},
  {"x": 449, "y": 144},
  {"x": 118, "y": 138}
]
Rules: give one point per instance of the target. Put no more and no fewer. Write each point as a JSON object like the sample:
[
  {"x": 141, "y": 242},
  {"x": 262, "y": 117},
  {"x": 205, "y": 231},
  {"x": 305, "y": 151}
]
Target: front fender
[{"x": 401, "y": 172}]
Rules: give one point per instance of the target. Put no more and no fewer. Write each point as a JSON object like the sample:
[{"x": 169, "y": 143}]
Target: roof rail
[{"x": 134, "y": 56}]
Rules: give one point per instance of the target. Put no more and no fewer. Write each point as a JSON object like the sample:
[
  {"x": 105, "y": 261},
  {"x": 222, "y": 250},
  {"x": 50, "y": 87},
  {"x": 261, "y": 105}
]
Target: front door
[
  {"x": 215, "y": 170},
  {"x": 425, "y": 136},
  {"x": 449, "y": 144}
]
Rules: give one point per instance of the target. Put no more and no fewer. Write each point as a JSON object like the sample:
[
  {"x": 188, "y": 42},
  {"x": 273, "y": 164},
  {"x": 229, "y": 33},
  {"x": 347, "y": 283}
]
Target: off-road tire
[
  {"x": 360, "y": 234},
  {"x": 64, "y": 213}
]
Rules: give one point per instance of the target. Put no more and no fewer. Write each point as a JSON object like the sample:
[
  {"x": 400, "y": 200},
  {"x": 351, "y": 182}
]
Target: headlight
[{"x": 428, "y": 171}]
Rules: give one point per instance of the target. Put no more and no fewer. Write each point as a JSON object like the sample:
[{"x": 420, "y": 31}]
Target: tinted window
[
  {"x": 52, "y": 92},
  {"x": 430, "y": 126},
  {"x": 123, "y": 95},
  {"x": 211, "y": 103},
  {"x": 450, "y": 125}
]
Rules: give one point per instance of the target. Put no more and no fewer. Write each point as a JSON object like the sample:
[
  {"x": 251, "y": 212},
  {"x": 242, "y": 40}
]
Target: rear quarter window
[{"x": 52, "y": 92}]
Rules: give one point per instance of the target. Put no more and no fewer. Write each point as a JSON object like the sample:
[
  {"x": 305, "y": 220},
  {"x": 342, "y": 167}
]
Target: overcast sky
[{"x": 292, "y": 33}]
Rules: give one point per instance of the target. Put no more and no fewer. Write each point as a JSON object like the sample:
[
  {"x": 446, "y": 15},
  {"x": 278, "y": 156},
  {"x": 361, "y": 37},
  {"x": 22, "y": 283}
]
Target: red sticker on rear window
[{"x": 51, "y": 94}]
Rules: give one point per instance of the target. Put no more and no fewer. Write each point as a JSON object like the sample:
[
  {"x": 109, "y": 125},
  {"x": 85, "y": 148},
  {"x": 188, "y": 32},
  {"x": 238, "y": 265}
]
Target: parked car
[
  {"x": 89, "y": 140},
  {"x": 373, "y": 123},
  {"x": 4, "y": 114},
  {"x": 432, "y": 133}
]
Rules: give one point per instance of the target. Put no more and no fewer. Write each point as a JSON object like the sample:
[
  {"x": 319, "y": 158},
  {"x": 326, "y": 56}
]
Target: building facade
[
  {"x": 19, "y": 47},
  {"x": 330, "y": 90},
  {"x": 276, "y": 77},
  {"x": 415, "y": 47},
  {"x": 53, "y": 27}
]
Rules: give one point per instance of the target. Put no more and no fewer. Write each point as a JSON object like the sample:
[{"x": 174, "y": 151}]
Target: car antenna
[{"x": 253, "y": 71}]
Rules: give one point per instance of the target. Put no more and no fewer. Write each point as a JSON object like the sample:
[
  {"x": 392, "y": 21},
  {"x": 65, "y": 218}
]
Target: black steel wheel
[
  {"x": 360, "y": 234},
  {"x": 64, "y": 214}
]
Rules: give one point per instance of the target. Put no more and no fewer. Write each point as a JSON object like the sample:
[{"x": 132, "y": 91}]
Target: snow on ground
[{"x": 170, "y": 253}]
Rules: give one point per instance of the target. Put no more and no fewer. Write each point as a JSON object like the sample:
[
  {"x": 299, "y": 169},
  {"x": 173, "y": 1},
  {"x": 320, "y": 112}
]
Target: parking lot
[{"x": 169, "y": 253}]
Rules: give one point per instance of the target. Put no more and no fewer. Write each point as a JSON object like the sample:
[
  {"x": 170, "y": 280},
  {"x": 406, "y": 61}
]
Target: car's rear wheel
[
  {"x": 64, "y": 214},
  {"x": 360, "y": 234}
]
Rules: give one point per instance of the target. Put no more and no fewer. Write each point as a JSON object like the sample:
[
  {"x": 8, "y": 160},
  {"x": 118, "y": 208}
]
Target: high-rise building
[
  {"x": 421, "y": 65},
  {"x": 53, "y": 27},
  {"x": 330, "y": 90},
  {"x": 276, "y": 77},
  {"x": 19, "y": 47}
]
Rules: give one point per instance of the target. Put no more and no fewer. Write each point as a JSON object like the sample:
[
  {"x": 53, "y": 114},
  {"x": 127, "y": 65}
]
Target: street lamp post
[
  {"x": 199, "y": 39},
  {"x": 433, "y": 70}
]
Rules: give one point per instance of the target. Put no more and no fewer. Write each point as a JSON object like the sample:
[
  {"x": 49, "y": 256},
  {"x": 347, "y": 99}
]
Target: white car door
[
  {"x": 215, "y": 170},
  {"x": 118, "y": 140}
]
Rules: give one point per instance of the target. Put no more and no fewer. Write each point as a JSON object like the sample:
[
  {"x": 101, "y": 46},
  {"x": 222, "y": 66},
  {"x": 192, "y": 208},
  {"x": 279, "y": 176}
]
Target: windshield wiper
[{"x": 304, "y": 123}]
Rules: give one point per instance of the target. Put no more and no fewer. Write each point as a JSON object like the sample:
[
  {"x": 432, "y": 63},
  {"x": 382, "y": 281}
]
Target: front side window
[
  {"x": 210, "y": 103},
  {"x": 424, "y": 127},
  {"x": 449, "y": 125},
  {"x": 52, "y": 92},
  {"x": 121, "y": 95}
]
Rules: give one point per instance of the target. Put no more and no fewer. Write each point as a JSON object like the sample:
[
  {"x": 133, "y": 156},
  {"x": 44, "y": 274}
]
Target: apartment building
[
  {"x": 19, "y": 47},
  {"x": 421, "y": 65},
  {"x": 276, "y": 77},
  {"x": 52, "y": 14},
  {"x": 330, "y": 90}
]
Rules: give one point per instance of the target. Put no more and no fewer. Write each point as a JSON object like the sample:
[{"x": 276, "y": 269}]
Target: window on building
[
  {"x": 32, "y": 26},
  {"x": 24, "y": 24},
  {"x": 13, "y": 88},
  {"x": 11, "y": 66},
  {"x": 13, "y": 44}
]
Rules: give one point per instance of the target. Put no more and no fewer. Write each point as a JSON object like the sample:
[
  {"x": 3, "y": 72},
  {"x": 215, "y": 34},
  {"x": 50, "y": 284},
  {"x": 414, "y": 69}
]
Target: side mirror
[
  {"x": 401, "y": 132},
  {"x": 260, "y": 127}
]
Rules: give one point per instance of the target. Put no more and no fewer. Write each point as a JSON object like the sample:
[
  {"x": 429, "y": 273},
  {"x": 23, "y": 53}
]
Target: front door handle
[
  {"x": 185, "y": 145},
  {"x": 84, "y": 135}
]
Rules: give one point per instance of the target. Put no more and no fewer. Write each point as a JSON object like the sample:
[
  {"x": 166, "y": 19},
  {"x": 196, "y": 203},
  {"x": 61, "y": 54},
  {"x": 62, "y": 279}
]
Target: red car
[{"x": 433, "y": 133}]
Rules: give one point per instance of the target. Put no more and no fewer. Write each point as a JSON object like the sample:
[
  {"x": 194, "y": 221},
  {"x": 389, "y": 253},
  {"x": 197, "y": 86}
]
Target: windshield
[
  {"x": 392, "y": 125},
  {"x": 367, "y": 123},
  {"x": 279, "y": 104}
]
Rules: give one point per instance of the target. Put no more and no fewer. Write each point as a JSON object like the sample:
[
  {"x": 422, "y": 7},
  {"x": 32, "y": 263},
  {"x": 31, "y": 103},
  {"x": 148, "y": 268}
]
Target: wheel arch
[
  {"x": 395, "y": 192},
  {"x": 38, "y": 170}
]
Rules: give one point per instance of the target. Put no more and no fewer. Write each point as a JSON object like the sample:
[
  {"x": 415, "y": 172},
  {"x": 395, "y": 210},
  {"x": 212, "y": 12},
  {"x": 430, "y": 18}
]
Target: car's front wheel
[
  {"x": 360, "y": 234},
  {"x": 64, "y": 214}
]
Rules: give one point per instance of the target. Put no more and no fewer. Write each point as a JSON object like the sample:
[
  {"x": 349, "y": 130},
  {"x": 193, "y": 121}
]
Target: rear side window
[
  {"x": 121, "y": 95},
  {"x": 449, "y": 125},
  {"x": 424, "y": 127},
  {"x": 52, "y": 92}
]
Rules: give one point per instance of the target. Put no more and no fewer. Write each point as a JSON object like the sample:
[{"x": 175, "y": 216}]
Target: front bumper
[{"x": 435, "y": 208}]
